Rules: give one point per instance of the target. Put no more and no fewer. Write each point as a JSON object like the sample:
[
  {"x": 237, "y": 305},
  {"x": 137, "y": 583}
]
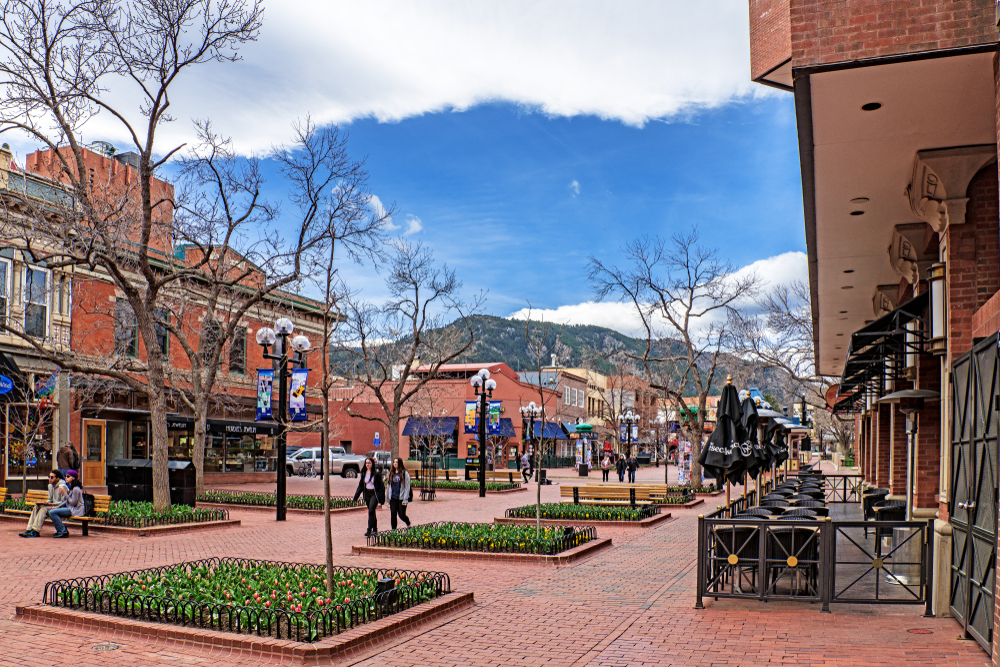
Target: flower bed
[
  {"x": 485, "y": 537},
  {"x": 266, "y": 499},
  {"x": 578, "y": 512},
  {"x": 264, "y": 598},
  {"x": 130, "y": 514},
  {"x": 468, "y": 486}
]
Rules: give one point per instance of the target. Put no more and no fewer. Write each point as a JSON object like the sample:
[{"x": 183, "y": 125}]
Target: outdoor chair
[
  {"x": 795, "y": 518},
  {"x": 766, "y": 511},
  {"x": 775, "y": 510},
  {"x": 889, "y": 510},
  {"x": 740, "y": 541},
  {"x": 816, "y": 506},
  {"x": 804, "y": 496},
  {"x": 868, "y": 500},
  {"x": 794, "y": 541},
  {"x": 754, "y": 512}
]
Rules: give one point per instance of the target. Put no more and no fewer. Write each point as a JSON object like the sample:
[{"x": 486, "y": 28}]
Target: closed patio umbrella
[{"x": 722, "y": 456}]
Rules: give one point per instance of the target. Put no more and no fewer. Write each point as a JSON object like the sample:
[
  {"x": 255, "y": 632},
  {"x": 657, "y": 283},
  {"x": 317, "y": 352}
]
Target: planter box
[
  {"x": 151, "y": 531},
  {"x": 565, "y": 558},
  {"x": 649, "y": 522}
]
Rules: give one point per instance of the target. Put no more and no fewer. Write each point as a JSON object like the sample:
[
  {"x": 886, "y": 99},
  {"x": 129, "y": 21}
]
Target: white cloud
[
  {"x": 622, "y": 317},
  {"x": 413, "y": 225},
  {"x": 341, "y": 60},
  {"x": 575, "y": 187}
]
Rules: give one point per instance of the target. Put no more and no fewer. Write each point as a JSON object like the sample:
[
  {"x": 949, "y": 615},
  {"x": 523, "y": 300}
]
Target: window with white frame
[
  {"x": 4, "y": 289},
  {"x": 36, "y": 301},
  {"x": 566, "y": 395},
  {"x": 580, "y": 401}
]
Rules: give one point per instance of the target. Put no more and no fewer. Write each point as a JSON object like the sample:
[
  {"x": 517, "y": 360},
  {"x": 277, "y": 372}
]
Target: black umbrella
[
  {"x": 751, "y": 423},
  {"x": 723, "y": 449}
]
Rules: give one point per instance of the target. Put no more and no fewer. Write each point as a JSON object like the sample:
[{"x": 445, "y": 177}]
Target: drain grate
[{"x": 107, "y": 647}]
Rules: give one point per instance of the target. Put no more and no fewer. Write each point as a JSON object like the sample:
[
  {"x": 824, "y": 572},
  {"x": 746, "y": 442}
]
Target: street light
[
  {"x": 628, "y": 419},
  {"x": 532, "y": 412},
  {"x": 483, "y": 386},
  {"x": 267, "y": 337}
]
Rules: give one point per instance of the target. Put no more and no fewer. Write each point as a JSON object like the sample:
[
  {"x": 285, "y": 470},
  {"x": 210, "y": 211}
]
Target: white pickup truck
[{"x": 341, "y": 463}]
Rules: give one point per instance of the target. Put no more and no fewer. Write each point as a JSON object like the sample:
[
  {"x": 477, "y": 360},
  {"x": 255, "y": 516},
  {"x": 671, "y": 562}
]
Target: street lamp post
[
  {"x": 532, "y": 412},
  {"x": 483, "y": 386},
  {"x": 267, "y": 337},
  {"x": 628, "y": 419}
]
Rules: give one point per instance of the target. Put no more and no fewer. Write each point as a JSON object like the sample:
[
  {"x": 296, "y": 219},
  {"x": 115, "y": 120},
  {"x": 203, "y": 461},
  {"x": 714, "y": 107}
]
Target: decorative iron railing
[
  {"x": 92, "y": 594},
  {"x": 414, "y": 538}
]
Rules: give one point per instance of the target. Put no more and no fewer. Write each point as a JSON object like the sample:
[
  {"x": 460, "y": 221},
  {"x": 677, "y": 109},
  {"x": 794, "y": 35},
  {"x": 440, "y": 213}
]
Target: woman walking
[
  {"x": 399, "y": 492},
  {"x": 605, "y": 467},
  {"x": 71, "y": 506},
  {"x": 370, "y": 484}
]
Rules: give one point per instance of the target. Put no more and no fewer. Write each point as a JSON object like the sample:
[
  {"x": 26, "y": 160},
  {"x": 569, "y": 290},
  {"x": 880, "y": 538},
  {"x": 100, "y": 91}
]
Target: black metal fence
[
  {"x": 817, "y": 561},
  {"x": 563, "y": 512},
  {"x": 91, "y": 594},
  {"x": 414, "y": 538},
  {"x": 199, "y": 515}
]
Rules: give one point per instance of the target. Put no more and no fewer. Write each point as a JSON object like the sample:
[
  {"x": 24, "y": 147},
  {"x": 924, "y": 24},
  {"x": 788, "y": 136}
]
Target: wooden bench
[
  {"x": 443, "y": 474},
  {"x": 3, "y": 496},
  {"x": 605, "y": 495},
  {"x": 656, "y": 491},
  {"x": 503, "y": 476},
  {"x": 102, "y": 504}
]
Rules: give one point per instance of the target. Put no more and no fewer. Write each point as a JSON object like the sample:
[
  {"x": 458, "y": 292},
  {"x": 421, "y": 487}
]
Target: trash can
[
  {"x": 118, "y": 479},
  {"x": 139, "y": 476},
  {"x": 584, "y": 470},
  {"x": 471, "y": 469},
  {"x": 183, "y": 483}
]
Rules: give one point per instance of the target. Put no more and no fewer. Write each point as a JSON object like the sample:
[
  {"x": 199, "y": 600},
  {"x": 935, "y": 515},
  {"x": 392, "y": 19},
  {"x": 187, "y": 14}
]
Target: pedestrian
[
  {"x": 620, "y": 468},
  {"x": 64, "y": 460},
  {"x": 605, "y": 467},
  {"x": 370, "y": 484},
  {"x": 633, "y": 465},
  {"x": 399, "y": 492},
  {"x": 57, "y": 492},
  {"x": 526, "y": 466},
  {"x": 74, "y": 457},
  {"x": 72, "y": 504}
]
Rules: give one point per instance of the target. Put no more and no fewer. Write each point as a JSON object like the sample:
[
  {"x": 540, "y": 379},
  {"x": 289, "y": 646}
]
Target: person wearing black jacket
[
  {"x": 632, "y": 464},
  {"x": 620, "y": 468},
  {"x": 371, "y": 485}
]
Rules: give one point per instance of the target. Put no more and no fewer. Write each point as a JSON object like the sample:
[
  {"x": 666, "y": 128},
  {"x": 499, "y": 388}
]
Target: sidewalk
[{"x": 628, "y": 605}]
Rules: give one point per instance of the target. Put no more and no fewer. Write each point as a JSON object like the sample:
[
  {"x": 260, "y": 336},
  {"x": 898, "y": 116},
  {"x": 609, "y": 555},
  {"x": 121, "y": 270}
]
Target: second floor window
[
  {"x": 4, "y": 289},
  {"x": 36, "y": 302},
  {"x": 212, "y": 331},
  {"x": 126, "y": 341},
  {"x": 162, "y": 316},
  {"x": 238, "y": 351}
]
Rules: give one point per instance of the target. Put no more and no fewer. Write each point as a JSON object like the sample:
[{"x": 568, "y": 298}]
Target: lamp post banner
[
  {"x": 470, "y": 416},
  {"x": 493, "y": 425},
  {"x": 265, "y": 385},
  {"x": 622, "y": 432},
  {"x": 297, "y": 399}
]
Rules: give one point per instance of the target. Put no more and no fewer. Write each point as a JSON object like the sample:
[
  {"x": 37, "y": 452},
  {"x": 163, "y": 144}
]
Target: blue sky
[{"x": 517, "y": 201}]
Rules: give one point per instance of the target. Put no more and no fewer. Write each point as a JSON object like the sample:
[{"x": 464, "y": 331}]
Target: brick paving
[{"x": 631, "y": 604}]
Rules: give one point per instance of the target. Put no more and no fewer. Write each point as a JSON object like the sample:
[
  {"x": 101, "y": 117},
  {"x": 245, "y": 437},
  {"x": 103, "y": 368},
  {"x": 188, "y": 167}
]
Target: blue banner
[
  {"x": 471, "y": 416},
  {"x": 297, "y": 397},
  {"x": 493, "y": 425},
  {"x": 265, "y": 383}
]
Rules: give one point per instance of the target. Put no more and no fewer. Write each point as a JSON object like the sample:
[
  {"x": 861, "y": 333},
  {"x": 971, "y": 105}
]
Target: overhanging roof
[
  {"x": 431, "y": 426},
  {"x": 862, "y": 161}
]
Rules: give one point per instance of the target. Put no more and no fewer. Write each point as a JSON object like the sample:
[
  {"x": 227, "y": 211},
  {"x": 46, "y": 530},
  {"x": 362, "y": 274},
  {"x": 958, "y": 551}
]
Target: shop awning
[
  {"x": 871, "y": 347},
  {"x": 432, "y": 426},
  {"x": 551, "y": 430}
]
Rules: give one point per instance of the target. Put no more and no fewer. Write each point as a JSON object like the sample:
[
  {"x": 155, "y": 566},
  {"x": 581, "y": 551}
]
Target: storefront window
[
  {"x": 215, "y": 449},
  {"x": 29, "y": 445},
  {"x": 139, "y": 440}
]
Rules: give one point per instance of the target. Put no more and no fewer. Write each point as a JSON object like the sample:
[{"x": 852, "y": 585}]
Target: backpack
[
  {"x": 88, "y": 504},
  {"x": 75, "y": 462}
]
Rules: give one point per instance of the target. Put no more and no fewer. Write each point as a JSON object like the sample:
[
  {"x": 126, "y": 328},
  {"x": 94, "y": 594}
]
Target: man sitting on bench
[
  {"x": 73, "y": 505},
  {"x": 57, "y": 493}
]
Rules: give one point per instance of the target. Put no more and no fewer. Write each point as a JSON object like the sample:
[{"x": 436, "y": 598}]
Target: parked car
[
  {"x": 383, "y": 460},
  {"x": 341, "y": 463}
]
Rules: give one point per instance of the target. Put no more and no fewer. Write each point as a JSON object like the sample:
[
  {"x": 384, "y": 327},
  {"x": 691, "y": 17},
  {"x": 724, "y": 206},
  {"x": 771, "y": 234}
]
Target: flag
[
  {"x": 297, "y": 398},
  {"x": 265, "y": 383},
  {"x": 470, "y": 416}
]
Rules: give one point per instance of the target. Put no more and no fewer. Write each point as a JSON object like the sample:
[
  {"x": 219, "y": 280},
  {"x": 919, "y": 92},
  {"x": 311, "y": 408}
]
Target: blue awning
[
  {"x": 551, "y": 430},
  {"x": 432, "y": 426},
  {"x": 506, "y": 429}
]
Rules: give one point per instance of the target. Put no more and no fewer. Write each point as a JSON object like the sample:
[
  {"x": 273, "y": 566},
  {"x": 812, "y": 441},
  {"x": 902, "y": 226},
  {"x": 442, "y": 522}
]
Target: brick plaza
[{"x": 631, "y": 604}]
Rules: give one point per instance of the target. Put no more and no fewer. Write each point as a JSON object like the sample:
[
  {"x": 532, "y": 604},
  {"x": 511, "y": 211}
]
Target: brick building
[
  {"x": 897, "y": 114},
  {"x": 88, "y": 314}
]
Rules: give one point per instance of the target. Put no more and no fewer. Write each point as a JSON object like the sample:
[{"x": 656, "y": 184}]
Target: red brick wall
[
  {"x": 973, "y": 261},
  {"x": 928, "y": 445},
  {"x": 883, "y": 445},
  {"x": 831, "y": 31},
  {"x": 770, "y": 35}
]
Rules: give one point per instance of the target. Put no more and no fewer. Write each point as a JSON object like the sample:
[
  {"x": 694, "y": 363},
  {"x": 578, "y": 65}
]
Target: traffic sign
[{"x": 377, "y": 441}]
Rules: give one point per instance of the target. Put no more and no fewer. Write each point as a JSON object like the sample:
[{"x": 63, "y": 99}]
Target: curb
[
  {"x": 289, "y": 510},
  {"x": 416, "y": 490},
  {"x": 151, "y": 531},
  {"x": 577, "y": 553},
  {"x": 650, "y": 522},
  {"x": 231, "y": 645}
]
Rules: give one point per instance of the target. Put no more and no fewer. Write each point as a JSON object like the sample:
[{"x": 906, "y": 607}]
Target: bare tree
[
  {"x": 384, "y": 344},
  {"x": 538, "y": 336},
  {"x": 779, "y": 337},
  {"x": 58, "y": 62},
  {"x": 684, "y": 296},
  {"x": 245, "y": 273}
]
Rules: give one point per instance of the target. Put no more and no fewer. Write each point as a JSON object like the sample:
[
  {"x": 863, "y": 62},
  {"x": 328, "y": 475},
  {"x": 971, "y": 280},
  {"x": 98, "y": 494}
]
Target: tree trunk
[
  {"x": 696, "y": 443},
  {"x": 158, "y": 423},
  {"x": 394, "y": 432},
  {"x": 198, "y": 455},
  {"x": 325, "y": 468}
]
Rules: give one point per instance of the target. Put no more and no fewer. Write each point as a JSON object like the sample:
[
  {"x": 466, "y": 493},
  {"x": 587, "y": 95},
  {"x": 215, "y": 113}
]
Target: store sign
[
  {"x": 6, "y": 385},
  {"x": 179, "y": 426},
  {"x": 240, "y": 428}
]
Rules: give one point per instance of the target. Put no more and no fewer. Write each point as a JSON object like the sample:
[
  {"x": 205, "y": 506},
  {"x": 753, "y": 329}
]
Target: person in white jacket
[
  {"x": 58, "y": 491},
  {"x": 398, "y": 483}
]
